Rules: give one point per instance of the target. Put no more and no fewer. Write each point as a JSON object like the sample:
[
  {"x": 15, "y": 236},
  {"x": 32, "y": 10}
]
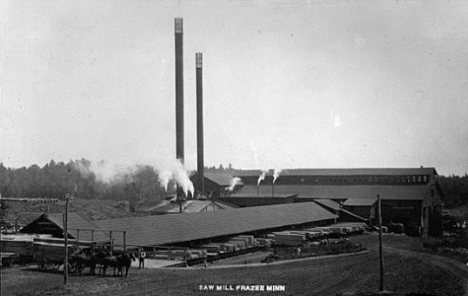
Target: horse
[
  {"x": 125, "y": 260},
  {"x": 89, "y": 257},
  {"x": 119, "y": 261}
]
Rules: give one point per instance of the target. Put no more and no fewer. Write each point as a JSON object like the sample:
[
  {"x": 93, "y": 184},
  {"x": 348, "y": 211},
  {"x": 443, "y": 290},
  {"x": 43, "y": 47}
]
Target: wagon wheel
[
  {"x": 56, "y": 265},
  {"x": 41, "y": 264},
  {"x": 71, "y": 267}
]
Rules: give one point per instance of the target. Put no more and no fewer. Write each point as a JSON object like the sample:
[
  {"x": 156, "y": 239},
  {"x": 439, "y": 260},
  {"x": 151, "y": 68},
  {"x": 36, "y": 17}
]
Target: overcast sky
[{"x": 287, "y": 84}]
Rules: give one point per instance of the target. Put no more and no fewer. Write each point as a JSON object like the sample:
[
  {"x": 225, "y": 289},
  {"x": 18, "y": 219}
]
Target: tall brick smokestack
[
  {"x": 200, "y": 152},
  {"x": 179, "y": 88}
]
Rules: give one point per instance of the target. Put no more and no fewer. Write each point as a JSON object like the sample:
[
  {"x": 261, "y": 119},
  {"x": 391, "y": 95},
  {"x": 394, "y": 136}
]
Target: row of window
[{"x": 297, "y": 180}]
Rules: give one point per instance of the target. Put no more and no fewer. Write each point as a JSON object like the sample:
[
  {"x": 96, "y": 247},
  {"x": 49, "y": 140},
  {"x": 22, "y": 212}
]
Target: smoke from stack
[
  {"x": 276, "y": 174},
  {"x": 234, "y": 181},
  {"x": 164, "y": 178},
  {"x": 261, "y": 178},
  {"x": 177, "y": 173}
]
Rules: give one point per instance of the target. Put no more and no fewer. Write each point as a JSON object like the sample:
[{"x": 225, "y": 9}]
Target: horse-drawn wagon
[{"x": 52, "y": 256}]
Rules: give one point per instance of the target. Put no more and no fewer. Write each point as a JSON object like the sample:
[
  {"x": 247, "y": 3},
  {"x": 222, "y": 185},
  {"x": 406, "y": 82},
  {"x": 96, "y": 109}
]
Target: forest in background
[{"x": 55, "y": 179}]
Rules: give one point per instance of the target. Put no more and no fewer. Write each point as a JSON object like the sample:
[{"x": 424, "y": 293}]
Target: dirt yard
[{"x": 407, "y": 271}]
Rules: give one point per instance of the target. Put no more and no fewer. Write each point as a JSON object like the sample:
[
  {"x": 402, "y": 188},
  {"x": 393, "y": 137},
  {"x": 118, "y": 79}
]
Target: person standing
[{"x": 141, "y": 258}]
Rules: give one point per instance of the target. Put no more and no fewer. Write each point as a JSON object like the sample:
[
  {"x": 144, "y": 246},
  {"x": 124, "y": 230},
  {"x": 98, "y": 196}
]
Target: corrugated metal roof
[
  {"x": 343, "y": 172},
  {"x": 403, "y": 192},
  {"x": 75, "y": 221},
  {"x": 360, "y": 202},
  {"x": 166, "y": 229}
]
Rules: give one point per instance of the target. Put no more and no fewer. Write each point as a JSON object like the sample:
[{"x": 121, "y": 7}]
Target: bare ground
[{"x": 407, "y": 270}]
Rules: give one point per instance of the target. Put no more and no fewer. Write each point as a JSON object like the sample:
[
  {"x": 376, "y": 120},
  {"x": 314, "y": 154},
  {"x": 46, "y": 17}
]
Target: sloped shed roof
[
  {"x": 406, "y": 192},
  {"x": 166, "y": 229}
]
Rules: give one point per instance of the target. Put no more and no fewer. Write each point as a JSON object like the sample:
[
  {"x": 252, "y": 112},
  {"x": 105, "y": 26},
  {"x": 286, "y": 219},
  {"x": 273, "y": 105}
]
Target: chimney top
[
  {"x": 178, "y": 25},
  {"x": 198, "y": 59}
]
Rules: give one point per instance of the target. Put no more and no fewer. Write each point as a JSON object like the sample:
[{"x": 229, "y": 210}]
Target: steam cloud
[
  {"x": 181, "y": 177},
  {"x": 261, "y": 177},
  {"x": 234, "y": 181},
  {"x": 112, "y": 172},
  {"x": 276, "y": 174}
]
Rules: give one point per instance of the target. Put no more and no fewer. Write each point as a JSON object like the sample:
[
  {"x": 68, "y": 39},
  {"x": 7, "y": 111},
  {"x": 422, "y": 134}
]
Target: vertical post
[
  {"x": 125, "y": 241},
  {"x": 257, "y": 192},
  {"x": 111, "y": 243},
  {"x": 273, "y": 189},
  {"x": 65, "y": 227},
  {"x": 379, "y": 207}
]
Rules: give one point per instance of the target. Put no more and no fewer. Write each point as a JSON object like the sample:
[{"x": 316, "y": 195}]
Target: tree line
[
  {"x": 455, "y": 190},
  {"x": 55, "y": 179}
]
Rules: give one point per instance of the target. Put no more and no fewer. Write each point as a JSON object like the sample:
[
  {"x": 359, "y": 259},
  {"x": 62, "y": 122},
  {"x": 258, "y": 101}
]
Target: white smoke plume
[
  {"x": 105, "y": 171},
  {"x": 182, "y": 179},
  {"x": 255, "y": 153},
  {"x": 109, "y": 172},
  {"x": 261, "y": 177},
  {"x": 276, "y": 174},
  {"x": 84, "y": 170},
  {"x": 167, "y": 169},
  {"x": 164, "y": 178},
  {"x": 234, "y": 181}
]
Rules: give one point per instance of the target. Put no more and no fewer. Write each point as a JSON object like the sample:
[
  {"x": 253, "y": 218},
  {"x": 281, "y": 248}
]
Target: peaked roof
[
  {"x": 75, "y": 221},
  {"x": 246, "y": 194},
  {"x": 220, "y": 178},
  {"x": 189, "y": 206},
  {"x": 402, "y": 192},
  {"x": 195, "y": 206},
  {"x": 343, "y": 172},
  {"x": 168, "y": 229}
]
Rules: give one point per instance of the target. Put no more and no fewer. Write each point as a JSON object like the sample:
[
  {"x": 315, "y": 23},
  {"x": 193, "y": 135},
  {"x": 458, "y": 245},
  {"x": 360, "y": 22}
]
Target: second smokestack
[
  {"x": 200, "y": 152},
  {"x": 179, "y": 88}
]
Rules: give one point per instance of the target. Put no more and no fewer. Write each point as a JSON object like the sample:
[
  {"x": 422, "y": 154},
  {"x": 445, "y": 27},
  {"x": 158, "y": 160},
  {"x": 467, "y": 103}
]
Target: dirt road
[{"x": 407, "y": 270}]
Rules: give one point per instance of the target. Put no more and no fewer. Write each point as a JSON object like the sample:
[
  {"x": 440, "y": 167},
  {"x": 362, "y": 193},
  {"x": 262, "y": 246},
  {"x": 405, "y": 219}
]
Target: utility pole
[
  {"x": 379, "y": 208},
  {"x": 65, "y": 227}
]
